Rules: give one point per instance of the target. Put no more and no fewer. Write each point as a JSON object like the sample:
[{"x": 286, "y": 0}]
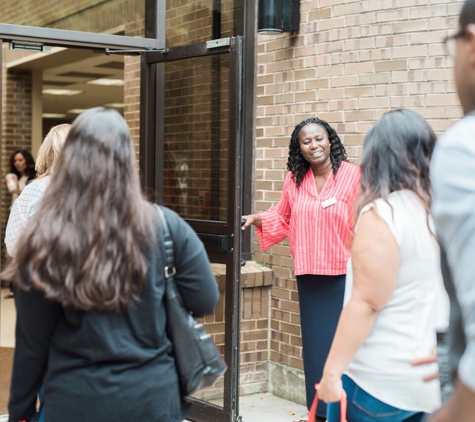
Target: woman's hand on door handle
[{"x": 251, "y": 219}]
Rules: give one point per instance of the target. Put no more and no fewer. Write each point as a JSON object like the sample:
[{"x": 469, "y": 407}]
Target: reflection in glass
[
  {"x": 196, "y": 136},
  {"x": 118, "y": 17},
  {"x": 202, "y": 20},
  {"x": 215, "y": 325}
]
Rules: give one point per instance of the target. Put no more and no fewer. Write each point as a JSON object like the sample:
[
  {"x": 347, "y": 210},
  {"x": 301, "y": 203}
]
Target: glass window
[
  {"x": 194, "y": 21},
  {"x": 196, "y": 137},
  {"x": 118, "y": 17}
]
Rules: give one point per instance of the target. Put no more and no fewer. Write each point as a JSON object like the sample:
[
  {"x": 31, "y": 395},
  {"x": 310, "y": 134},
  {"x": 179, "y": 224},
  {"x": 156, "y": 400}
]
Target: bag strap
[
  {"x": 168, "y": 245},
  {"x": 168, "y": 249},
  {"x": 313, "y": 410}
]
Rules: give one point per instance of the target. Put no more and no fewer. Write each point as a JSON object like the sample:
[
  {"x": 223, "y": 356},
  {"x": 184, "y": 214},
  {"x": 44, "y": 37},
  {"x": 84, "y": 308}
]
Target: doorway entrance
[{"x": 196, "y": 172}]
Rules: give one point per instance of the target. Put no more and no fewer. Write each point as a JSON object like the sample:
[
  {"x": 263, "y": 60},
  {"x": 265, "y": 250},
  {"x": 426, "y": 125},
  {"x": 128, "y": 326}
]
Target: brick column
[{"x": 16, "y": 132}]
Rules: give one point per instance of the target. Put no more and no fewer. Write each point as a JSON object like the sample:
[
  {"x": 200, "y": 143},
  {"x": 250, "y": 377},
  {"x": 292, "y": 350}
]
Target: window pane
[
  {"x": 196, "y": 136},
  {"x": 201, "y": 20},
  {"x": 119, "y": 17}
]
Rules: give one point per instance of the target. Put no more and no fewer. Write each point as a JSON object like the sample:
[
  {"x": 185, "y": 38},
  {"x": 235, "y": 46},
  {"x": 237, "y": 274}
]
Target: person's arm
[
  {"x": 22, "y": 210},
  {"x": 375, "y": 260},
  {"x": 194, "y": 277},
  {"x": 460, "y": 407},
  {"x": 36, "y": 321},
  {"x": 16, "y": 224},
  {"x": 272, "y": 226},
  {"x": 453, "y": 209},
  {"x": 353, "y": 196},
  {"x": 12, "y": 183}
]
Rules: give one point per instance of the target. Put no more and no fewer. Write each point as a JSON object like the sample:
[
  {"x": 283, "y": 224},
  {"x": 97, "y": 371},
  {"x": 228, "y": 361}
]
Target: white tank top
[{"x": 405, "y": 329}]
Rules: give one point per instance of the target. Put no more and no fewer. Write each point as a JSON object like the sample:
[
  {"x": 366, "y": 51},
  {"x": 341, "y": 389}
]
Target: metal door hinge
[{"x": 222, "y": 42}]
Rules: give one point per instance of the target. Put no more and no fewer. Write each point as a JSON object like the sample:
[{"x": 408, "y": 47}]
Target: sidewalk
[
  {"x": 259, "y": 408},
  {"x": 266, "y": 407}
]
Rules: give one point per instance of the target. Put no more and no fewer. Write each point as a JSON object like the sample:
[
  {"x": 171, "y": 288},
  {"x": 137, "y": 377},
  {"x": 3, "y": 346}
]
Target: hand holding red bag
[{"x": 313, "y": 410}]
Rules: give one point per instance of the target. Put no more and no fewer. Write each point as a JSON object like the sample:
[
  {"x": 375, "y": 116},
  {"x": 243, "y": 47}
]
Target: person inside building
[
  {"x": 90, "y": 282},
  {"x": 27, "y": 203},
  {"x": 316, "y": 212},
  {"x": 22, "y": 170},
  {"x": 453, "y": 179},
  {"x": 394, "y": 283}
]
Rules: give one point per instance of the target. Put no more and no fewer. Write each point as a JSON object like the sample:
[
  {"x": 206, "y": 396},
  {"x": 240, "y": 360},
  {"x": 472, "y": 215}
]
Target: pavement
[
  {"x": 266, "y": 407},
  {"x": 258, "y": 408}
]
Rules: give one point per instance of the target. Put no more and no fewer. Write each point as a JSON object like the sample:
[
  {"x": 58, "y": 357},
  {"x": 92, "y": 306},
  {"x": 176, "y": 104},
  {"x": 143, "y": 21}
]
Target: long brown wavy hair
[
  {"x": 87, "y": 244},
  {"x": 396, "y": 156}
]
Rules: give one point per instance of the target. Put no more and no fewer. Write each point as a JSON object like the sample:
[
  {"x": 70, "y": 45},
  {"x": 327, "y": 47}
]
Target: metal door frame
[{"x": 152, "y": 132}]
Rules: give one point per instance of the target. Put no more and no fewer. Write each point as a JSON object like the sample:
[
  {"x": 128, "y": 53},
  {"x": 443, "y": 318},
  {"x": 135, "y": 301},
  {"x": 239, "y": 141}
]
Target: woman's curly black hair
[{"x": 299, "y": 165}]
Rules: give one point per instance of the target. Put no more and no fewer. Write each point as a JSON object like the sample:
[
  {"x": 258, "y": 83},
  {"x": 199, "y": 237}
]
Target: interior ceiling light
[
  {"x": 76, "y": 110},
  {"x": 53, "y": 115},
  {"x": 115, "y": 105},
  {"x": 106, "y": 82},
  {"x": 61, "y": 91}
]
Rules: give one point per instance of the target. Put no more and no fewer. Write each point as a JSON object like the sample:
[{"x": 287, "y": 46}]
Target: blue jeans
[
  {"x": 41, "y": 411},
  {"x": 363, "y": 407}
]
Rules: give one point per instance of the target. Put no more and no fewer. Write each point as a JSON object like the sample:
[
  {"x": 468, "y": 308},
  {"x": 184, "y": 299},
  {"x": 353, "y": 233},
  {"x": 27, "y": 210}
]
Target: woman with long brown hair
[{"x": 90, "y": 312}]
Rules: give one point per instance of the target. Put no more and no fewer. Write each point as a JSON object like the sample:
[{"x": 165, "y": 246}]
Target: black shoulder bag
[{"x": 198, "y": 361}]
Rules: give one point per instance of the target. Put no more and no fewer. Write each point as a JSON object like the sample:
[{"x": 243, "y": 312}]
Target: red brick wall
[
  {"x": 132, "y": 84},
  {"x": 16, "y": 130}
]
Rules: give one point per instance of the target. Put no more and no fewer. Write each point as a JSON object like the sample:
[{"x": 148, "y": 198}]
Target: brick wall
[
  {"x": 350, "y": 62},
  {"x": 255, "y": 324},
  {"x": 133, "y": 28},
  {"x": 191, "y": 21},
  {"x": 16, "y": 131}
]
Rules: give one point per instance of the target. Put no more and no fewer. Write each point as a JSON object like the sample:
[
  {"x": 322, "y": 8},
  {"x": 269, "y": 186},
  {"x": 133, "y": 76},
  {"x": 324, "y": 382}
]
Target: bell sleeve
[{"x": 276, "y": 220}]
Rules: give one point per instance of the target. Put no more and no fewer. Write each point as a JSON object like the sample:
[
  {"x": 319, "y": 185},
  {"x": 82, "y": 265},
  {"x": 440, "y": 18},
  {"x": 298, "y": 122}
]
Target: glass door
[{"x": 191, "y": 157}]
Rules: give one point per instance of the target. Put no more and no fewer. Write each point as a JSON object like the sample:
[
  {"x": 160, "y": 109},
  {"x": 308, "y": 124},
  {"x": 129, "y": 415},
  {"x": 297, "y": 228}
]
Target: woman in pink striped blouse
[{"x": 316, "y": 212}]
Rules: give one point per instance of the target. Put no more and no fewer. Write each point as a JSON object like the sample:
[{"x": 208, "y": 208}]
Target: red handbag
[{"x": 313, "y": 410}]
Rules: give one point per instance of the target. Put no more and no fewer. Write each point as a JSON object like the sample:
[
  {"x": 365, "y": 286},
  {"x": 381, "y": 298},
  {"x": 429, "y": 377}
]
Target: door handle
[{"x": 242, "y": 260}]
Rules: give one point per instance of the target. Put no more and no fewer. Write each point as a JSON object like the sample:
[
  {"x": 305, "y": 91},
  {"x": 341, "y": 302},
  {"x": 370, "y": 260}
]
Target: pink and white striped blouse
[{"x": 319, "y": 225}]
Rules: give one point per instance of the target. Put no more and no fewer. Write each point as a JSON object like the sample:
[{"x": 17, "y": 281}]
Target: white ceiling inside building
[{"x": 75, "y": 72}]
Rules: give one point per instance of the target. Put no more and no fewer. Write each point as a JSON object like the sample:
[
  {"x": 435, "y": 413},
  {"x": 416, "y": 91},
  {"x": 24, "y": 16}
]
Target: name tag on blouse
[{"x": 328, "y": 202}]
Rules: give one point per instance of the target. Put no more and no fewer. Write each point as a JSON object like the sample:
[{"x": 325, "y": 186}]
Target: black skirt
[{"x": 321, "y": 302}]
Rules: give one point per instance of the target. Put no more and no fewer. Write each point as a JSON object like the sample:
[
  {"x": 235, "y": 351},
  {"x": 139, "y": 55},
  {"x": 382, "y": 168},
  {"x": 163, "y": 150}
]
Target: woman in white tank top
[{"x": 395, "y": 292}]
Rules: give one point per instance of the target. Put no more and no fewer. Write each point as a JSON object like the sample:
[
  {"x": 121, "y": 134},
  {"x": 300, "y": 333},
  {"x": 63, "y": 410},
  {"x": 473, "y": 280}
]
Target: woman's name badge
[{"x": 328, "y": 202}]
